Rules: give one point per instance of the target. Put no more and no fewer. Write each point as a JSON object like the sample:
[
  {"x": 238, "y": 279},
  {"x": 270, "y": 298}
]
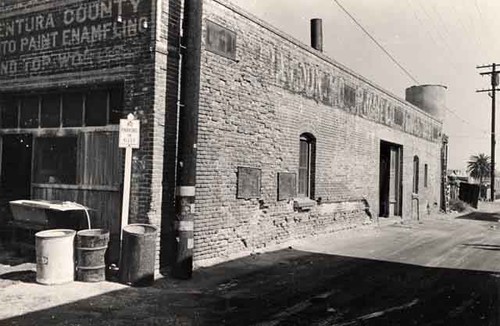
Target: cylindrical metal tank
[
  {"x": 138, "y": 254},
  {"x": 54, "y": 256},
  {"x": 430, "y": 98},
  {"x": 91, "y": 246},
  {"x": 317, "y": 34}
]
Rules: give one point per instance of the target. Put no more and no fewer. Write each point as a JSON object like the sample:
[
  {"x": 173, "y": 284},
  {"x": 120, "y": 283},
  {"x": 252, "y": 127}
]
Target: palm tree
[{"x": 479, "y": 166}]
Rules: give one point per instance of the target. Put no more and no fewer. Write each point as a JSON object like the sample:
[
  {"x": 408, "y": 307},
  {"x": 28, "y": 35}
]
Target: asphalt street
[{"x": 444, "y": 270}]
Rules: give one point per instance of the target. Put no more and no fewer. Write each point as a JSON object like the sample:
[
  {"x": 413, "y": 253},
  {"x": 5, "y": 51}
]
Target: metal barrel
[
  {"x": 138, "y": 254},
  {"x": 55, "y": 256},
  {"x": 91, "y": 246}
]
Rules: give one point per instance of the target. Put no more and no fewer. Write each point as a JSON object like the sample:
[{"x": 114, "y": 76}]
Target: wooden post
[
  {"x": 126, "y": 189},
  {"x": 129, "y": 138}
]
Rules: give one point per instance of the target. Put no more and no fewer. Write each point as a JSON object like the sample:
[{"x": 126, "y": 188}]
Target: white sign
[{"x": 129, "y": 133}]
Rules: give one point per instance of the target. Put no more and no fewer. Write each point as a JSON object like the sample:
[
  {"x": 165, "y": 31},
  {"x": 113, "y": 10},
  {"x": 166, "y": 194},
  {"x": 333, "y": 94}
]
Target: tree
[{"x": 479, "y": 166}]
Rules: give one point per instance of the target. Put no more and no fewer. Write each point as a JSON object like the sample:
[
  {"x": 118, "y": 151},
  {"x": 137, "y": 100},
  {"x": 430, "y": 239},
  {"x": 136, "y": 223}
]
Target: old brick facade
[
  {"x": 58, "y": 46},
  {"x": 253, "y": 109},
  {"x": 260, "y": 91}
]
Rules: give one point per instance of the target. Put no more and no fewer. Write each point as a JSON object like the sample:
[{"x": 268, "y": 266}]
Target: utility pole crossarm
[
  {"x": 487, "y": 90},
  {"x": 484, "y": 66}
]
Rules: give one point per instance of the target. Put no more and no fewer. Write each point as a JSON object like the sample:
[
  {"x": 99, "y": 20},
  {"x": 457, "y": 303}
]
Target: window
[
  {"x": 71, "y": 108},
  {"x": 426, "y": 174},
  {"x": 29, "y": 112},
  {"x": 10, "y": 111},
  {"x": 55, "y": 160},
  {"x": 116, "y": 105},
  {"x": 306, "y": 166},
  {"x": 96, "y": 108},
  {"x": 72, "y": 113},
  {"x": 51, "y": 111},
  {"x": 415, "y": 174}
]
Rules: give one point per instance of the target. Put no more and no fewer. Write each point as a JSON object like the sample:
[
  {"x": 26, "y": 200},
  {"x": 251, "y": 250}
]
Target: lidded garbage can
[
  {"x": 54, "y": 256},
  {"x": 137, "y": 260}
]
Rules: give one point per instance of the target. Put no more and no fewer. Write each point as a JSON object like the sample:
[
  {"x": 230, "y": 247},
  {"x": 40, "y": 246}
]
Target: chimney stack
[{"x": 317, "y": 34}]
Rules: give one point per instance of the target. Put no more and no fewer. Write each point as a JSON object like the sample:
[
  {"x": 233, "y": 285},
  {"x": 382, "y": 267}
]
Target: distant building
[{"x": 289, "y": 142}]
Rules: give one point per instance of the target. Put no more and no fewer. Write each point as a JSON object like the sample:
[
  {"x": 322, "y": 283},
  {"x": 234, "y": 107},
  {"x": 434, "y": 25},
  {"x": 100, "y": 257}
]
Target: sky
[{"x": 437, "y": 41}]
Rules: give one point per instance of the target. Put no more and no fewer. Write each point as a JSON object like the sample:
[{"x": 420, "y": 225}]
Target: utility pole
[
  {"x": 188, "y": 138},
  {"x": 494, "y": 83}
]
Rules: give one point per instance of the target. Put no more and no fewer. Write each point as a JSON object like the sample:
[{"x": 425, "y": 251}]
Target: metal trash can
[
  {"x": 54, "y": 256},
  {"x": 137, "y": 260},
  {"x": 91, "y": 246}
]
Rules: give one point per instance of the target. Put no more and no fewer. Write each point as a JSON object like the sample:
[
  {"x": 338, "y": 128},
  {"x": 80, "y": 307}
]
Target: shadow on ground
[
  {"x": 481, "y": 216},
  {"x": 291, "y": 287},
  {"x": 22, "y": 276}
]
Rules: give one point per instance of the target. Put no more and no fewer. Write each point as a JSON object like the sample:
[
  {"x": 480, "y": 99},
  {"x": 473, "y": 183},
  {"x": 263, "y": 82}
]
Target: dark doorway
[
  {"x": 16, "y": 169},
  {"x": 391, "y": 186}
]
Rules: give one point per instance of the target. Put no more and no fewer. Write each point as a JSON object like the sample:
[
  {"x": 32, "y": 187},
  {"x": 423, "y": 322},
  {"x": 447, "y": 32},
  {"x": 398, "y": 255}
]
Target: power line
[
  {"x": 422, "y": 25},
  {"x": 391, "y": 57},
  {"x": 466, "y": 121},
  {"x": 377, "y": 43},
  {"x": 481, "y": 20},
  {"x": 433, "y": 24}
]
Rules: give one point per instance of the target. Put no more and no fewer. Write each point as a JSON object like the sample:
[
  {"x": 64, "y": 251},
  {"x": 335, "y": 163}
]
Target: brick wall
[
  {"x": 254, "y": 107},
  {"x": 252, "y": 110},
  {"x": 88, "y": 43}
]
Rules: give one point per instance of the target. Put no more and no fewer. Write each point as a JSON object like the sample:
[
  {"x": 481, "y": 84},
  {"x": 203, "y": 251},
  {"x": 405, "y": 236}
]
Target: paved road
[{"x": 445, "y": 271}]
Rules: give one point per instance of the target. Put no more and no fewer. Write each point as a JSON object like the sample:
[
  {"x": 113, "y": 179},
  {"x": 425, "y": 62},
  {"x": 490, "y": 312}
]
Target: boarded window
[
  {"x": 220, "y": 40},
  {"x": 50, "y": 111},
  {"x": 96, "y": 108},
  {"x": 55, "y": 160},
  {"x": 9, "y": 106},
  {"x": 249, "y": 181},
  {"x": 72, "y": 110},
  {"x": 29, "y": 112}
]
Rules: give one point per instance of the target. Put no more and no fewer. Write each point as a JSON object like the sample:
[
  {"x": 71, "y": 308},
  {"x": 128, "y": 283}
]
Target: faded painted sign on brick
[{"x": 70, "y": 37}]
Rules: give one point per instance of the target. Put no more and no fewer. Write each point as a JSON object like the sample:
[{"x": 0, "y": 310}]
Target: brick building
[{"x": 288, "y": 142}]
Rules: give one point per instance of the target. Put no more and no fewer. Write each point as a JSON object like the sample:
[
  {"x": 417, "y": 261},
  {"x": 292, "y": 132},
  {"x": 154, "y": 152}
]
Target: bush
[{"x": 459, "y": 206}]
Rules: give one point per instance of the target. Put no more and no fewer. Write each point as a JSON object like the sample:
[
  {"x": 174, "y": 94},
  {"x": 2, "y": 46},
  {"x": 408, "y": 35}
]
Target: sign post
[{"x": 129, "y": 138}]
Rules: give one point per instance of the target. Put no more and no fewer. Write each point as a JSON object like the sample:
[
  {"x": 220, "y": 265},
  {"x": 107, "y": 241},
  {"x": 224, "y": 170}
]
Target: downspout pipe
[
  {"x": 416, "y": 198},
  {"x": 187, "y": 139}
]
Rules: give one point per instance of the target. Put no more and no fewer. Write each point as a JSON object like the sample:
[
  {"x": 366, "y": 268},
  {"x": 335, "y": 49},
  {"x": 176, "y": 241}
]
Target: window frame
[
  {"x": 40, "y": 152},
  {"x": 416, "y": 172},
  {"x": 112, "y": 91},
  {"x": 426, "y": 175},
  {"x": 306, "y": 189}
]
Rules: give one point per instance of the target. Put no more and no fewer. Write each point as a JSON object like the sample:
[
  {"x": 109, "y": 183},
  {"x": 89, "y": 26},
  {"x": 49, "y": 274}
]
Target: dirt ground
[{"x": 444, "y": 270}]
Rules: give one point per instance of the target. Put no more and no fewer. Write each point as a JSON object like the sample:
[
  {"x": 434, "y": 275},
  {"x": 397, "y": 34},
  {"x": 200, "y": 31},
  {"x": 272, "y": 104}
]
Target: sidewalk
[{"x": 444, "y": 270}]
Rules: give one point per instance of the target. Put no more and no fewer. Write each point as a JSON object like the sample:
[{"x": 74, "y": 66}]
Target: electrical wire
[
  {"x": 392, "y": 57},
  {"x": 377, "y": 43}
]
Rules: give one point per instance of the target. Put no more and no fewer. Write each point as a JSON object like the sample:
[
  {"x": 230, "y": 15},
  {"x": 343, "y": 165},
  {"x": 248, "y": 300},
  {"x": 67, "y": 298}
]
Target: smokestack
[{"x": 317, "y": 34}]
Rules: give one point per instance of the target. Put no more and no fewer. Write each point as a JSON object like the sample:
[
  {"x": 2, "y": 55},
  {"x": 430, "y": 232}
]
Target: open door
[
  {"x": 390, "y": 188},
  {"x": 15, "y": 179}
]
